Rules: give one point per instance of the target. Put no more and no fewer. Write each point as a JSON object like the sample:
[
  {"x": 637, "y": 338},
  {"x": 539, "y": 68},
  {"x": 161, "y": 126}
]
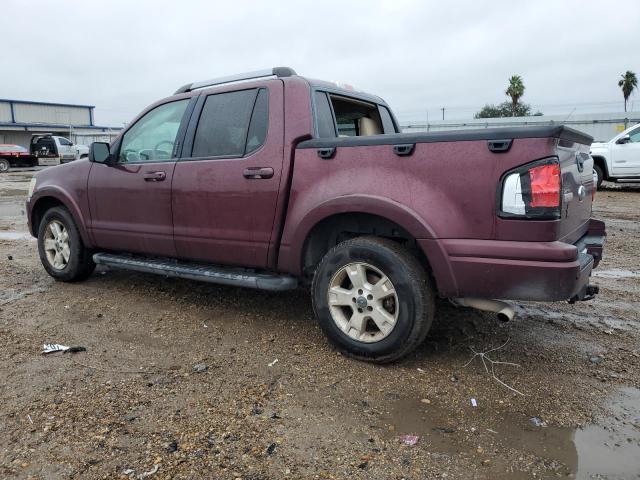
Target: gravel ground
[{"x": 189, "y": 380}]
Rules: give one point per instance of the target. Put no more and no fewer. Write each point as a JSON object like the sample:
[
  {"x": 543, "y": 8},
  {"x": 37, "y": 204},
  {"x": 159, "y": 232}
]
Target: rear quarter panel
[{"x": 448, "y": 188}]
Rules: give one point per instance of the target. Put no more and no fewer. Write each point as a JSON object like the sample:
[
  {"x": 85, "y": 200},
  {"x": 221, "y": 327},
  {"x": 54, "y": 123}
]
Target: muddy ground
[{"x": 189, "y": 380}]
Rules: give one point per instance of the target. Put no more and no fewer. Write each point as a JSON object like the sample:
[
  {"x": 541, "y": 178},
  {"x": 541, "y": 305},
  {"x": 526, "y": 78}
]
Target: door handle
[
  {"x": 404, "y": 149},
  {"x": 257, "y": 173},
  {"x": 154, "y": 176},
  {"x": 326, "y": 153}
]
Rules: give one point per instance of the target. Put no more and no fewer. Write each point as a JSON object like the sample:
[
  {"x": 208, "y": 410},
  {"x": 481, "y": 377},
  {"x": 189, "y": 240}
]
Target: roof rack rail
[{"x": 272, "y": 72}]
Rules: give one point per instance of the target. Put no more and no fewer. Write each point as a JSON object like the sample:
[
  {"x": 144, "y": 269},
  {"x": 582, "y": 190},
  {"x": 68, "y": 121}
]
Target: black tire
[
  {"x": 599, "y": 174},
  {"x": 80, "y": 264},
  {"x": 4, "y": 165},
  {"x": 415, "y": 298}
]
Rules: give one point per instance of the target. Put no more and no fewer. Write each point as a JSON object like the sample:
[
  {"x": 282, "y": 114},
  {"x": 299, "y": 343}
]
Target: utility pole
[{"x": 442, "y": 113}]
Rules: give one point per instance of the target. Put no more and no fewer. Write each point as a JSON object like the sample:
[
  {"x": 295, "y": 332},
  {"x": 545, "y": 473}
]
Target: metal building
[
  {"x": 19, "y": 119},
  {"x": 601, "y": 126}
]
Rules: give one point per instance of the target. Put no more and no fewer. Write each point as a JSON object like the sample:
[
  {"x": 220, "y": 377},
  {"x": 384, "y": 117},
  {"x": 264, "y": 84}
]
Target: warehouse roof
[{"x": 53, "y": 104}]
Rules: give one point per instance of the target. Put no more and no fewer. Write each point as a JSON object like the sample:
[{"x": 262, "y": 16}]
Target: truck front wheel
[
  {"x": 373, "y": 299},
  {"x": 62, "y": 252}
]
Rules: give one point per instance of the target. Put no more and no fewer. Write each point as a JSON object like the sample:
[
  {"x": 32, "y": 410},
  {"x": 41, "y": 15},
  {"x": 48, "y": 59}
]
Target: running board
[{"x": 237, "y": 277}]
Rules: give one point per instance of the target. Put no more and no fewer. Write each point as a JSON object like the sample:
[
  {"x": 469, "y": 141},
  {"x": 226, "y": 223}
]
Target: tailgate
[{"x": 576, "y": 166}]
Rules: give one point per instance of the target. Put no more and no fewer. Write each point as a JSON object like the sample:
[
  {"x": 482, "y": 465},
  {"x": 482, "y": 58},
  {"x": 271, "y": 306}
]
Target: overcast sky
[{"x": 418, "y": 55}]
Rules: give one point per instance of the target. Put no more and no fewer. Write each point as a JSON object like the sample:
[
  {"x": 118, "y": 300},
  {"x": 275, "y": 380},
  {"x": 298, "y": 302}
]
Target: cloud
[{"x": 419, "y": 55}]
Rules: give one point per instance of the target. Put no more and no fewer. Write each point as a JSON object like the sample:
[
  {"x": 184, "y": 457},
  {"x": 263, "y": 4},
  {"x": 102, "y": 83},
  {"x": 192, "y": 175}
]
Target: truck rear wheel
[
  {"x": 599, "y": 175},
  {"x": 373, "y": 299},
  {"x": 61, "y": 249}
]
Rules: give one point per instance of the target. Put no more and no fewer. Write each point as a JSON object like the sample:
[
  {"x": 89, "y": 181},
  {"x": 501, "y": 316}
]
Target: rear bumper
[{"x": 540, "y": 271}]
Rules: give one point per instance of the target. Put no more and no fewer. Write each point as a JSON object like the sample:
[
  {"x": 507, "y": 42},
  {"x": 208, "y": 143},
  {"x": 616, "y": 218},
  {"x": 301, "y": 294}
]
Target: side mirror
[
  {"x": 99, "y": 152},
  {"x": 624, "y": 139}
]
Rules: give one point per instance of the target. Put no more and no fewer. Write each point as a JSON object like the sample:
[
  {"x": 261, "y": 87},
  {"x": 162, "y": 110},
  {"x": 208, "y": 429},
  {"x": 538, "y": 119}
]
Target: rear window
[
  {"x": 356, "y": 118},
  {"x": 224, "y": 124},
  {"x": 353, "y": 117}
]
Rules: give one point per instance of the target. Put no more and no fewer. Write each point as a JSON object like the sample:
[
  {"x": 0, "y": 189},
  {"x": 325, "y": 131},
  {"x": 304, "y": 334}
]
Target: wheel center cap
[{"x": 361, "y": 302}]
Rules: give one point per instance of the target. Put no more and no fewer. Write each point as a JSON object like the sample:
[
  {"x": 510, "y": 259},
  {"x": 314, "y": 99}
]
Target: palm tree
[
  {"x": 515, "y": 90},
  {"x": 628, "y": 83}
]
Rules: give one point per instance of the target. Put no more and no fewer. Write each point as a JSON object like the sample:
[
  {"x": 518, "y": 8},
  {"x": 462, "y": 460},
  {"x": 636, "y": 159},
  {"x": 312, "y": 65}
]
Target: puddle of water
[
  {"x": 616, "y": 273},
  {"x": 610, "y": 449},
  {"x": 613, "y": 449},
  {"x": 14, "y": 236}
]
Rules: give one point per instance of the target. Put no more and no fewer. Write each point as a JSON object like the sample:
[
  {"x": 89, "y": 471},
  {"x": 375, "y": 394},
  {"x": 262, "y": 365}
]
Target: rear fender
[{"x": 297, "y": 231}]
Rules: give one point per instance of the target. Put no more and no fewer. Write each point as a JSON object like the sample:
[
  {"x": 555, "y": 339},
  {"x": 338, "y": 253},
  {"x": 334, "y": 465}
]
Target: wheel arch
[
  {"x": 351, "y": 216},
  {"x": 54, "y": 198},
  {"x": 601, "y": 161}
]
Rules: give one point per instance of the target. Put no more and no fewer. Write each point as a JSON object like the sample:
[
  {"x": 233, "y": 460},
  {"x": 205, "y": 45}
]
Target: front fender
[{"x": 65, "y": 198}]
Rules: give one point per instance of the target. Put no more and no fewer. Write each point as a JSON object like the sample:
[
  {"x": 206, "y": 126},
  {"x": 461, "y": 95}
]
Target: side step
[{"x": 236, "y": 277}]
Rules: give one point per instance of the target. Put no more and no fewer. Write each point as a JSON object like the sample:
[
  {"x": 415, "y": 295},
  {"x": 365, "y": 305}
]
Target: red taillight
[
  {"x": 545, "y": 186},
  {"x": 533, "y": 191}
]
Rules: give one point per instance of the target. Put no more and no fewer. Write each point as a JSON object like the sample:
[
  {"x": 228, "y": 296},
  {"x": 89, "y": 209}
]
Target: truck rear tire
[
  {"x": 373, "y": 299},
  {"x": 61, "y": 249},
  {"x": 599, "y": 174},
  {"x": 4, "y": 165}
]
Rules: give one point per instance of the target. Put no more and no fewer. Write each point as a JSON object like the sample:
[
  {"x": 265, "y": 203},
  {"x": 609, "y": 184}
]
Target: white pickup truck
[
  {"x": 53, "y": 150},
  {"x": 619, "y": 158}
]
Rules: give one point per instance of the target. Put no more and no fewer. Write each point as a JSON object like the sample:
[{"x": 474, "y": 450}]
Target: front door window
[{"x": 153, "y": 137}]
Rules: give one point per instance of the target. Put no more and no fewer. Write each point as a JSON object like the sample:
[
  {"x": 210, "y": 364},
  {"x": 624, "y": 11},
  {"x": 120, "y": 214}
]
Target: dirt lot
[{"x": 180, "y": 379}]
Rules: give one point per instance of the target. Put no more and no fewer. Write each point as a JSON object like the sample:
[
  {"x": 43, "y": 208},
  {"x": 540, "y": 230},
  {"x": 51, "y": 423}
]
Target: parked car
[
  {"x": 271, "y": 180},
  {"x": 619, "y": 158},
  {"x": 82, "y": 151},
  {"x": 52, "y": 149},
  {"x": 15, "y": 156}
]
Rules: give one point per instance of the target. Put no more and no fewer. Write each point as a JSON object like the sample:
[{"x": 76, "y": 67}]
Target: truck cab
[{"x": 619, "y": 158}]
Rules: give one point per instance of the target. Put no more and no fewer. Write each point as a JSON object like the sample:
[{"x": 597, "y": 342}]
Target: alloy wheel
[
  {"x": 56, "y": 245},
  {"x": 363, "y": 302}
]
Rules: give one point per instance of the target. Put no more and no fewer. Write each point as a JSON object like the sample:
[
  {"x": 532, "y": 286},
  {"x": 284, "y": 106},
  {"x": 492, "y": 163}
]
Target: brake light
[
  {"x": 532, "y": 191},
  {"x": 545, "y": 186}
]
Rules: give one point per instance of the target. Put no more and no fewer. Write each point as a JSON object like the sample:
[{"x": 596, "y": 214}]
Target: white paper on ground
[{"x": 53, "y": 347}]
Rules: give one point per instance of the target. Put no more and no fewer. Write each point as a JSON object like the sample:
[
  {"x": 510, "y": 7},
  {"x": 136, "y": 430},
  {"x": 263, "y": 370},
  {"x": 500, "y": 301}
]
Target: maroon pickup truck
[{"x": 271, "y": 180}]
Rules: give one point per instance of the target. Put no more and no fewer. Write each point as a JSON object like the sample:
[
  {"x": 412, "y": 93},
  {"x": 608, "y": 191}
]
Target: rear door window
[{"x": 224, "y": 124}]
